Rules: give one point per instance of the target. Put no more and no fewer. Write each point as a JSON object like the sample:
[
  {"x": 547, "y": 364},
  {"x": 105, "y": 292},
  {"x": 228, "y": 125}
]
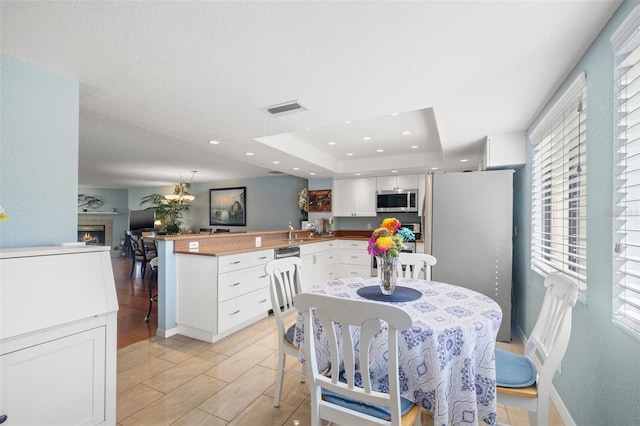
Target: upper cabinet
[
  {"x": 390, "y": 183},
  {"x": 504, "y": 150},
  {"x": 354, "y": 197}
]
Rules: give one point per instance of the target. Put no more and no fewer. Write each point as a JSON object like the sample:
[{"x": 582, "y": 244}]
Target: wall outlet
[
  {"x": 368, "y": 226},
  {"x": 193, "y": 245},
  {"x": 258, "y": 241}
]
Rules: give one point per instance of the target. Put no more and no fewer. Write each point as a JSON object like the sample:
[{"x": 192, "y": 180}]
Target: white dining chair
[
  {"x": 337, "y": 398},
  {"x": 284, "y": 275},
  {"x": 524, "y": 381},
  {"x": 411, "y": 264}
]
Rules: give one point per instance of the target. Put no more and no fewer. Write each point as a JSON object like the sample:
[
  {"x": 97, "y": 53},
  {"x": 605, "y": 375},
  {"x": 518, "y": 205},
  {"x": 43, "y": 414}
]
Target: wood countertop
[{"x": 242, "y": 242}]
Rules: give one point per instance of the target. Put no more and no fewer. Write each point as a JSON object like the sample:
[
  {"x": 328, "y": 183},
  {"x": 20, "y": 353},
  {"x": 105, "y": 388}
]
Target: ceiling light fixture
[
  {"x": 434, "y": 168},
  {"x": 276, "y": 162},
  {"x": 296, "y": 168},
  {"x": 214, "y": 142},
  {"x": 331, "y": 143},
  {"x": 414, "y": 146},
  {"x": 379, "y": 150},
  {"x": 312, "y": 173},
  {"x": 464, "y": 160},
  {"x": 367, "y": 138},
  {"x": 406, "y": 133},
  {"x": 180, "y": 193},
  {"x": 349, "y": 154},
  {"x": 248, "y": 153},
  {"x": 394, "y": 171},
  {"x": 347, "y": 122}
]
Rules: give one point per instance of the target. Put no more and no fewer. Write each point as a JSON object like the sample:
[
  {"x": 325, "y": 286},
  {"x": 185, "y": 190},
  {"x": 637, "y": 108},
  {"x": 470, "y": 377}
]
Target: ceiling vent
[{"x": 285, "y": 108}]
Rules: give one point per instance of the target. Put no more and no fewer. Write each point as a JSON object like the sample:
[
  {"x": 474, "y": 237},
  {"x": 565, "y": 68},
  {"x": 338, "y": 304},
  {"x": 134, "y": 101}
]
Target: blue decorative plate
[{"x": 401, "y": 294}]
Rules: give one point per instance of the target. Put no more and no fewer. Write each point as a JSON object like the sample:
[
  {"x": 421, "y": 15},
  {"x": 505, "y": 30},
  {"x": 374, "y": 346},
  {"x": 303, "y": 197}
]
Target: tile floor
[{"x": 182, "y": 381}]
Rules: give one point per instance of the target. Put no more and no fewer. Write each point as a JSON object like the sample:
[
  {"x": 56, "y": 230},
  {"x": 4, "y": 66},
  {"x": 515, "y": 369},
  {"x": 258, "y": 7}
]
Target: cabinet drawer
[
  {"x": 232, "y": 262},
  {"x": 346, "y": 271},
  {"x": 350, "y": 244},
  {"x": 240, "y": 309},
  {"x": 260, "y": 257},
  {"x": 236, "y": 283},
  {"x": 355, "y": 257}
]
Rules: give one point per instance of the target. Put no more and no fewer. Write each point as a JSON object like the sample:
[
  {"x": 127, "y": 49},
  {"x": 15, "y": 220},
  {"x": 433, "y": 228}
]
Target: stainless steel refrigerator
[{"x": 468, "y": 225}]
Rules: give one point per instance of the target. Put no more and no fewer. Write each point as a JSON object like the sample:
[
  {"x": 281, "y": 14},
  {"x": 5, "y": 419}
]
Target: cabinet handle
[
  {"x": 264, "y": 276},
  {"x": 234, "y": 284},
  {"x": 235, "y": 263},
  {"x": 315, "y": 259},
  {"x": 236, "y": 312},
  {"x": 263, "y": 257},
  {"x": 262, "y": 301},
  {"x": 3, "y": 418}
]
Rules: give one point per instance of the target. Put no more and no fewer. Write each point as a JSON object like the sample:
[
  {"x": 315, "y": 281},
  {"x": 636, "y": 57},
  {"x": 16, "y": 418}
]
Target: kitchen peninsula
[{"x": 210, "y": 286}]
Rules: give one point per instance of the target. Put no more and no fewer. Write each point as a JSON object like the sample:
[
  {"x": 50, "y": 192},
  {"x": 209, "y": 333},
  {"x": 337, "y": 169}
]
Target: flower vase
[{"x": 388, "y": 273}]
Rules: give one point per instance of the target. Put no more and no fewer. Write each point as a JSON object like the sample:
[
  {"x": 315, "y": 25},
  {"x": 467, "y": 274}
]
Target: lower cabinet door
[{"x": 59, "y": 382}]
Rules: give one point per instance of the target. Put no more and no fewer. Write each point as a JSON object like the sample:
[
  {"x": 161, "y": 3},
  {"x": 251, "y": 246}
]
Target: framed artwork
[
  {"x": 320, "y": 201},
  {"x": 228, "y": 206}
]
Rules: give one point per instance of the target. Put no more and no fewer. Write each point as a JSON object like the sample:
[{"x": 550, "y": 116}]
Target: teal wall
[
  {"x": 38, "y": 155},
  {"x": 272, "y": 202},
  {"x": 600, "y": 380}
]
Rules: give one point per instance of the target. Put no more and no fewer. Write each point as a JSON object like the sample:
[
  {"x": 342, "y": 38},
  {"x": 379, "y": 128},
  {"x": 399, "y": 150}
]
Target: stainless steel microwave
[{"x": 397, "y": 201}]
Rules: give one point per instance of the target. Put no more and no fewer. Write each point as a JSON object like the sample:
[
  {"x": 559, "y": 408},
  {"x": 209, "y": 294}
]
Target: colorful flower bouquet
[{"x": 386, "y": 243}]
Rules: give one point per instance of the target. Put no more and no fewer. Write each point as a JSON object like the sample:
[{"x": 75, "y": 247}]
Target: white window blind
[
  {"x": 626, "y": 179},
  {"x": 559, "y": 192}
]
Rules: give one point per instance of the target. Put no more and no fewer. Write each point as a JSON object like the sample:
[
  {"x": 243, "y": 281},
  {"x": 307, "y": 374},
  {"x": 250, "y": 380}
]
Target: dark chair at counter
[{"x": 137, "y": 252}]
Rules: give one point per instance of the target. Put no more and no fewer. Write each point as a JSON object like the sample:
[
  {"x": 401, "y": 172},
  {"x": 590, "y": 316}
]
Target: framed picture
[
  {"x": 228, "y": 206},
  {"x": 320, "y": 201}
]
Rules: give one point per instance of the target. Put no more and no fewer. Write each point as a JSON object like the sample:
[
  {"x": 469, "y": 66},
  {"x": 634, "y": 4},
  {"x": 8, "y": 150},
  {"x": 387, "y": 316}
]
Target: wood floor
[{"x": 182, "y": 381}]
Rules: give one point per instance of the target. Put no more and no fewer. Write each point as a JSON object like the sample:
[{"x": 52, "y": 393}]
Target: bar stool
[{"x": 153, "y": 285}]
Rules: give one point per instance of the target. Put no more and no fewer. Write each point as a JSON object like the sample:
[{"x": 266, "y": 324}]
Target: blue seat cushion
[
  {"x": 375, "y": 410},
  {"x": 291, "y": 334},
  {"x": 513, "y": 370}
]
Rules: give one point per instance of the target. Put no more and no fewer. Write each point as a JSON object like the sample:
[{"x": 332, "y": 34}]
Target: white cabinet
[
  {"x": 353, "y": 259},
  {"x": 400, "y": 182},
  {"x": 354, "y": 197},
  {"x": 58, "y": 333},
  {"x": 503, "y": 150},
  {"x": 219, "y": 295},
  {"x": 319, "y": 263}
]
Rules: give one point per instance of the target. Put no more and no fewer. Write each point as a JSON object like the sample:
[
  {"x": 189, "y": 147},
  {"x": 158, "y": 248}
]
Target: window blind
[
  {"x": 559, "y": 193},
  {"x": 626, "y": 179}
]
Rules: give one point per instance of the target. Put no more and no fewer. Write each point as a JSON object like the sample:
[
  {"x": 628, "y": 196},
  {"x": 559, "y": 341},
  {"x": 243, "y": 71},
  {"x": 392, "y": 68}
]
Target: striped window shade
[
  {"x": 626, "y": 179},
  {"x": 559, "y": 192}
]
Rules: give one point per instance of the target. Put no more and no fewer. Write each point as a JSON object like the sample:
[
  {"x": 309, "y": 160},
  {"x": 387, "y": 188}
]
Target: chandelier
[{"x": 180, "y": 193}]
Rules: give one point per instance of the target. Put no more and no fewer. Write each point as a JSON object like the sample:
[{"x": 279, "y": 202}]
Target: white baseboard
[{"x": 555, "y": 396}]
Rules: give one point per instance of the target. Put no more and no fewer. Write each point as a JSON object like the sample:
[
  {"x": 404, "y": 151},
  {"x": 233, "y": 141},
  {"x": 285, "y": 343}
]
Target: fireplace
[{"x": 91, "y": 234}]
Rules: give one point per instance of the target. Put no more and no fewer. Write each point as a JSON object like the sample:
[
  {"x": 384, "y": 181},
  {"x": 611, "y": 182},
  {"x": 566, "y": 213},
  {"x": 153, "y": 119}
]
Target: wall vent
[{"x": 285, "y": 108}]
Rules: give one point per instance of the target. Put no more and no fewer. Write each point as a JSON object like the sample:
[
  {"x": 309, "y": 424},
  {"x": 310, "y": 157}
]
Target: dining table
[{"x": 446, "y": 358}]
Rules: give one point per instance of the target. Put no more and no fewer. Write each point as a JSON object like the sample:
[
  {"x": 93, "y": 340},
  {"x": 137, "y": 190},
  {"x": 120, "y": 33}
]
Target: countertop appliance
[
  {"x": 467, "y": 227},
  {"x": 397, "y": 201}
]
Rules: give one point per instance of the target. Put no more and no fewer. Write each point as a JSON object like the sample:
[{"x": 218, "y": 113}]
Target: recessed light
[
  {"x": 248, "y": 153},
  {"x": 358, "y": 174},
  {"x": 406, "y": 132},
  {"x": 414, "y": 146},
  {"x": 347, "y": 122},
  {"x": 349, "y": 154},
  {"x": 434, "y": 168},
  {"x": 312, "y": 173},
  {"x": 276, "y": 162},
  {"x": 394, "y": 113},
  {"x": 307, "y": 129},
  {"x": 331, "y": 143},
  {"x": 394, "y": 171},
  {"x": 296, "y": 168},
  {"x": 367, "y": 138},
  {"x": 214, "y": 142},
  {"x": 379, "y": 150},
  {"x": 464, "y": 160}
]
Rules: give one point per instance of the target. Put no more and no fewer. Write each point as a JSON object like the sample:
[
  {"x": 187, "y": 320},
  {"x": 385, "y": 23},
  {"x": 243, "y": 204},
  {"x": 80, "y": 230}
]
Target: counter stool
[{"x": 153, "y": 285}]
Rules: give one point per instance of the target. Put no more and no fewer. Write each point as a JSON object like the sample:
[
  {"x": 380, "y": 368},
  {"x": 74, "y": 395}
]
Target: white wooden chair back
[
  {"x": 284, "y": 275},
  {"x": 414, "y": 263},
  {"x": 545, "y": 348},
  {"x": 350, "y": 313}
]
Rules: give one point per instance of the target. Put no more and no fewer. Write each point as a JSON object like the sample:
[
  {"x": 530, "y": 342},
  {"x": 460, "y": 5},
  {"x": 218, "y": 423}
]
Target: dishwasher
[
  {"x": 279, "y": 253},
  {"x": 292, "y": 251}
]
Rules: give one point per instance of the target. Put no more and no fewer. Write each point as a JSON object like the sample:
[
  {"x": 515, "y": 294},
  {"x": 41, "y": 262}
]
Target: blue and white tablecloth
[{"x": 446, "y": 358}]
